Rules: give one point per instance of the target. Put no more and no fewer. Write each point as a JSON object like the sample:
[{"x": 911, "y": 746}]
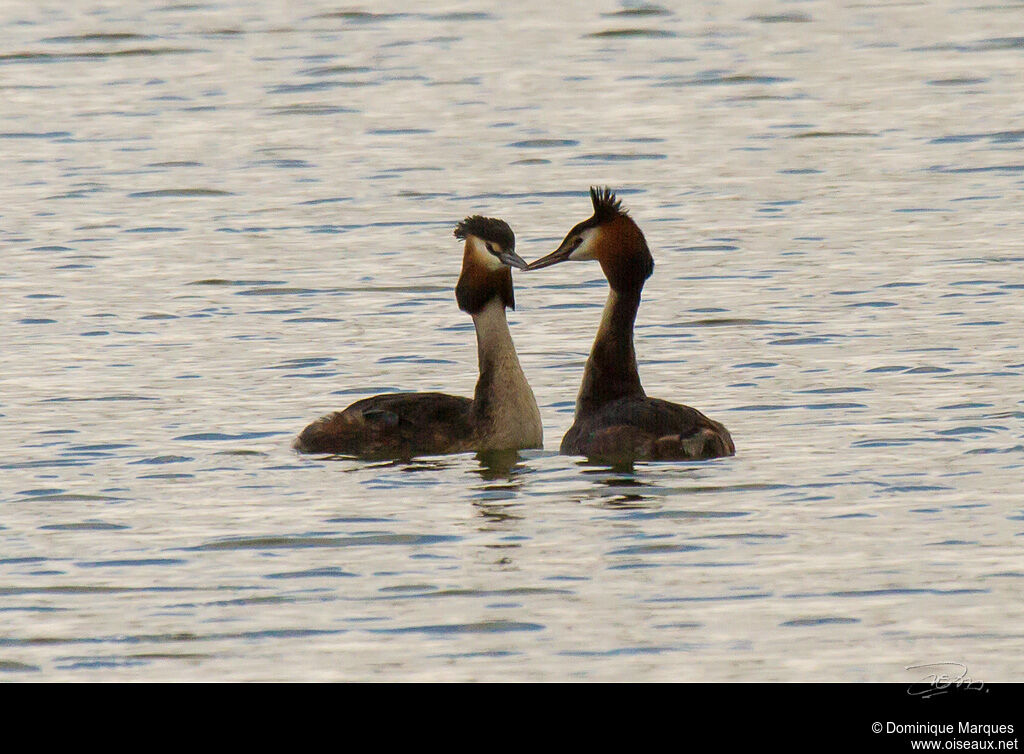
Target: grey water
[{"x": 221, "y": 220}]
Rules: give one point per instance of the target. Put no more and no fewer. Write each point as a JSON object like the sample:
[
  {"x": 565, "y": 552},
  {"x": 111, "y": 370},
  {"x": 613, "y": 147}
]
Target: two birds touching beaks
[{"x": 615, "y": 420}]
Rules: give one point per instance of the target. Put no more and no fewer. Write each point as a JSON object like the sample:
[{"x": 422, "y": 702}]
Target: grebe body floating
[
  {"x": 615, "y": 420},
  {"x": 503, "y": 413}
]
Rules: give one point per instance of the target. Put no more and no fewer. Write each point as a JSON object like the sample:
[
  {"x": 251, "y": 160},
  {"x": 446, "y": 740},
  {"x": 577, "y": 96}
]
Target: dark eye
[
  {"x": 576, "y": 241},
  {"x": 491, "y": 248}
]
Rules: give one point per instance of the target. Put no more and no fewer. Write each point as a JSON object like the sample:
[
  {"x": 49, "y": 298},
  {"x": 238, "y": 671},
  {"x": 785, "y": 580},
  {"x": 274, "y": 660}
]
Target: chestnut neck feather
[
  {"x": 477, "y": 285},
  {"x": 625, "y": 258}
]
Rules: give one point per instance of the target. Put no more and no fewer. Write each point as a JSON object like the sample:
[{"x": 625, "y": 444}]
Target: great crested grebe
[
  {"x": 614, "y": 417},
  {"x": 503, "y": 413}
]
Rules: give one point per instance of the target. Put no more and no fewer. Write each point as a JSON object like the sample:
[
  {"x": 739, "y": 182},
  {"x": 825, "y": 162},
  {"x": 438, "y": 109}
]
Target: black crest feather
[
  {"x": 606, "y": 205},
  {"x": 489, "y": 229}
]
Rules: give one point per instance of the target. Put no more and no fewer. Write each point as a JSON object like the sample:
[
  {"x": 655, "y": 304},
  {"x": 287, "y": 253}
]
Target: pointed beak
[
  {"x": 561, "y": 254},
  {"x": 512, "y": 260}
]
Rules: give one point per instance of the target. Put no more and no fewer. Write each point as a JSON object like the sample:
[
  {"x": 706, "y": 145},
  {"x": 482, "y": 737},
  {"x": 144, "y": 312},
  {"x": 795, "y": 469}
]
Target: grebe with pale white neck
[{"x": 503, "y": 413}]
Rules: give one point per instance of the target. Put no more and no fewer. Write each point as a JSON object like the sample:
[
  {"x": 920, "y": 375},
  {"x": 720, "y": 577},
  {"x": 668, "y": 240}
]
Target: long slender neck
[
  {"x": 493, "y": 339},
  {"x": 504, "y": 407},
  {"x": 611, "y": 371}
]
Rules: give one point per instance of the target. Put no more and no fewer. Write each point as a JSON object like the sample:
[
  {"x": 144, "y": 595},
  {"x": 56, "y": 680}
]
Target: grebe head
[
  {"x": 612, "y": 238},
  {"x": 489, "y": 254}
]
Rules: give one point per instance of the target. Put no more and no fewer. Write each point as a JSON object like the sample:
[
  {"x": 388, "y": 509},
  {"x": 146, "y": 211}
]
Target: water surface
[{"x": 219, "y": 221}]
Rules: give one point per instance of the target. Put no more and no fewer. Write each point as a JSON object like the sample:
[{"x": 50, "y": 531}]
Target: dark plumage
[
  {"x": 606, "y": 205},
  {"x": 488, "y": 229},
  {"x": 476, "y": 287},
  {"x": 636, "y": 427},
  {"x": 615, "y": 420},
  {"x": 394, "y": 425}
]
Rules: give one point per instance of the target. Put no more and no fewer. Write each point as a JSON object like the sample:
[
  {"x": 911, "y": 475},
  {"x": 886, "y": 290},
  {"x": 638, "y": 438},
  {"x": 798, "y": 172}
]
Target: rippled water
[{"x": 218, "y": 221}]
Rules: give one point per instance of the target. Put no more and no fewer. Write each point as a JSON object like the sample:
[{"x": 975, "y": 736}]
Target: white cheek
[
  {"x": 483, "y": 256},
  {"x": 586, "y": 248}
]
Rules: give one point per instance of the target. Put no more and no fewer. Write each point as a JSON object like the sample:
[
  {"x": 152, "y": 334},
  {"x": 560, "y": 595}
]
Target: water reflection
[{"x": 501, "y": 464}]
